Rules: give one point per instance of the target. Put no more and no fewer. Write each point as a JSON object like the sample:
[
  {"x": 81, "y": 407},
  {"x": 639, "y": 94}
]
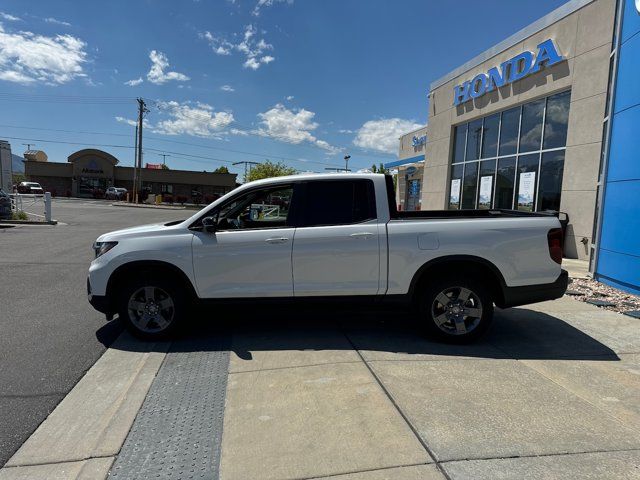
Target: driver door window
[{"x": 257, "y": 209}]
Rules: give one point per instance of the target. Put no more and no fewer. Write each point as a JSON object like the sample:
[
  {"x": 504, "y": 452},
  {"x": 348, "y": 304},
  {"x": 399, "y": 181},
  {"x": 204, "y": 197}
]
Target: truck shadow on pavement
[{"x": 377, "y": 334}]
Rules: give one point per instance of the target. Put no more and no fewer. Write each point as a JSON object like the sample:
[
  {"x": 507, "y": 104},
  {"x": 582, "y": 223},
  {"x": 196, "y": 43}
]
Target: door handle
[
  {"x": 364, "y": 235},
  {"x": 277, "y": 240}
]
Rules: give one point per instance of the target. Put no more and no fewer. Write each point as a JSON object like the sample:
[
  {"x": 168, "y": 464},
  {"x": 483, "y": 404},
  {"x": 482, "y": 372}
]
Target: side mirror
[{"x": 209, "y": 224}]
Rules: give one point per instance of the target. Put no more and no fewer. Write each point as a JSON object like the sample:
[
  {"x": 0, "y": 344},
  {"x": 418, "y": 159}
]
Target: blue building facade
[{"x": 618, "y": 247}]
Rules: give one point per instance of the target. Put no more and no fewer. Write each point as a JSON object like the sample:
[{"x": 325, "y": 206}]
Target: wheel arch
[
  {"x": 156, "y": 267},
  {"x": 464, "y": 264}
]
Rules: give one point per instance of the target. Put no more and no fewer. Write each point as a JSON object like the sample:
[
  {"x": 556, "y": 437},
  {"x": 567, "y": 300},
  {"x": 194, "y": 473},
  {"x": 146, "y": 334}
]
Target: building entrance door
[
  {"x": 87, "y": 185},
  {"x": 412, "y": 202}
]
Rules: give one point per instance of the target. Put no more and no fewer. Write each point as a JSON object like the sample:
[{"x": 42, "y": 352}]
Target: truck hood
[{"x": 132, "y": 232}]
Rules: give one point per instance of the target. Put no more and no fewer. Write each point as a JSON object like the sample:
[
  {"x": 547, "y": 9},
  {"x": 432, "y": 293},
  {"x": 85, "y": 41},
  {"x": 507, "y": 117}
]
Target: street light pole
[{"x": 346, "y": 162}]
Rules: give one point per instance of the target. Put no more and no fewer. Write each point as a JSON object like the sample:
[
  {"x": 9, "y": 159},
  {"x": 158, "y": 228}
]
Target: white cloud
[
  {"x": 292, "y": 126},
  {"x": 227, "y": 88},
  {"x": 196, "y": 119},
  {"x": 254, "y": 50},
  {"x": 134, "y": 82},
  {"x": 26, "y": 57},
  {"x": 289, "y": 98},
  {"x": 382, "y": 135},
  {"x": 9, "y": 18},
  {"x": 157, "y": 73},
  {"x": 267, "y": 3},
  {"x": 57, "y": 22},
  {"x": 346, "y": 130},
  {"x": 128, "y": 121}
]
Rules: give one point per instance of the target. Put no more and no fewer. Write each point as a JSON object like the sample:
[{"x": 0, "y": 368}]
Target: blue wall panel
[
  {"x": 621, "y": 220},
  {"x": 624, "y": 154},
  {"x": 619, "y": 243},
  {"x": 631, "y": 21},
  {"x": 627, "y": 91}
]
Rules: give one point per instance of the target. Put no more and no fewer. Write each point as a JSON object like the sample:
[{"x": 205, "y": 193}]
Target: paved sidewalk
[{"x": 553, "y": 391}]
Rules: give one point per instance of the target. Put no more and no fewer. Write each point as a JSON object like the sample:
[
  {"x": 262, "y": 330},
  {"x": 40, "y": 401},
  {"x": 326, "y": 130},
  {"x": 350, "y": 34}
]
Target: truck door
[
  {"x": 249, "y": 255},
  {"x": 336, "y": 248}
]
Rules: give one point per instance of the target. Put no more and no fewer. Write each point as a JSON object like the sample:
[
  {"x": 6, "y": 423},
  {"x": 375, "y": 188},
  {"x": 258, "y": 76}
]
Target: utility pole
[
  {"x": 164, "y": 157},
  {"x": 135, "y": 166},
  {"x": 246, "y": 164},
  {"x": 142, "y": 109}
]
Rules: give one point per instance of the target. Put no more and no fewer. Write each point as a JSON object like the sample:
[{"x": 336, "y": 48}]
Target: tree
[
  {"x": 380, "y": 169},
  {"x": 164, "y": 166},
  {"x": 222, "y": 169},
  {"x": 269, "y": 169}
]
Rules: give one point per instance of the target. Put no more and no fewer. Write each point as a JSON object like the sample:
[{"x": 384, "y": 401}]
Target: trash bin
[{"x": 5, "y": 205}]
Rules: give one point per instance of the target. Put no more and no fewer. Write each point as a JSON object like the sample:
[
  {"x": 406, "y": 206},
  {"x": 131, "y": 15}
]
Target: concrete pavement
[{"x": 553, "y": 391}]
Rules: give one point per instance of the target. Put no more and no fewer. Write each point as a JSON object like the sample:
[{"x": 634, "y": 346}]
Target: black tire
[
  {"x": 164, "y": 313},
  {"x": 448, "y": 322}
]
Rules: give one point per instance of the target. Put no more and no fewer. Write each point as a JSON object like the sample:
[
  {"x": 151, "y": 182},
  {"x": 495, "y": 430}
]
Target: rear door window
[{"x": 338, "y": 202}]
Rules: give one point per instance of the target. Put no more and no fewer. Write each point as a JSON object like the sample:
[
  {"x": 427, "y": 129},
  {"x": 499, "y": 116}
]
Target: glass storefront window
[
  {"x": 509, "y": 131},
  {"x": 469, "y": 185},
  {"x": 556, "y": 121},
  {"x": 531, "y": 126},
  {"x": 505, "y": 183},
  {"x": 551, "y": 168},
  {"x": 460, "y": 136},
  {"x": 488, "y": 172},
  {"x": 490, "y": 136},
  {"x": 473, "y": 140}
]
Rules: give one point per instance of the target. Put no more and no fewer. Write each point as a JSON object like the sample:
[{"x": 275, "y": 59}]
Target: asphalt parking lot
[
  {"x": 49, "y": 330},
  {"x": 551, "y": 392}
]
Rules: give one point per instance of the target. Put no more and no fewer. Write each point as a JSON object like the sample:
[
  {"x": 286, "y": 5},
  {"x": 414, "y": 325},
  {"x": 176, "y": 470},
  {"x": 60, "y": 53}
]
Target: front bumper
[
  {"x": 99, "y": 302},
  {"x": 515, "y": 296}
]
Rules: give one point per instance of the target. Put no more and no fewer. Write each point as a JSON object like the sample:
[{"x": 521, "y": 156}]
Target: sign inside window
[
  {"x": 454, "y": 196},
  {"x": 526, "y": 188},
  {"x": 486, "y": 186}
]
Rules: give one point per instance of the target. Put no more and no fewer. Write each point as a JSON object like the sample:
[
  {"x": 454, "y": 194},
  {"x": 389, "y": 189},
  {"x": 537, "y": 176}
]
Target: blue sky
[{"x": 303, "y": 81}]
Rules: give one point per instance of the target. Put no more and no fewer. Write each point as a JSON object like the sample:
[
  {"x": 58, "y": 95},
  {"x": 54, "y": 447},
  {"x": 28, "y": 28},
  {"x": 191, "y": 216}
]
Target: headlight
[{"x": 100, "y": 248}]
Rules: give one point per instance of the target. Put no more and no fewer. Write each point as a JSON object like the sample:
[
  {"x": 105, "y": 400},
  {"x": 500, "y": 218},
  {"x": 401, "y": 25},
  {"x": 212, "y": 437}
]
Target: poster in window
[
  {"x": 486, "y": 190},
  {"x": 526, "y": 189},
  {"x": 454, "y": 196}
]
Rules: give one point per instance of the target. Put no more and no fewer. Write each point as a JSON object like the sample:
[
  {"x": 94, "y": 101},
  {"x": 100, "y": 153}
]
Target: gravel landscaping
[{"x": 603, "y": 296}]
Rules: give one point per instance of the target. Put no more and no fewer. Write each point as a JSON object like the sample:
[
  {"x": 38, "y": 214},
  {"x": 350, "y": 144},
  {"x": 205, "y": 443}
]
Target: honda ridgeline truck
[{"x": 314, "y": 236}]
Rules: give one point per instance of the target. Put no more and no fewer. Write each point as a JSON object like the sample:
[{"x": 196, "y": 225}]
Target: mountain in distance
[{"x": 16, "y": 163}]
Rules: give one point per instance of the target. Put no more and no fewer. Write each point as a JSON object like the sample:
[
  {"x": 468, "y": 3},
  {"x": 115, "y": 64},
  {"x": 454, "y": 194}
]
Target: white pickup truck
[{"x": 329, "y": 235}]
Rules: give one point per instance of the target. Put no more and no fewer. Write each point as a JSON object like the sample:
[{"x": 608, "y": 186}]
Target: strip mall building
[
  {"x": 548, "y": 119},
  {"x": 90, "y": 169}
]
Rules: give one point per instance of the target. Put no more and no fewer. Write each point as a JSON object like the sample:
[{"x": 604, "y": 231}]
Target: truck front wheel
[
  {"x": 151, "y": 308},
  {"x": 456, "y": 310}
]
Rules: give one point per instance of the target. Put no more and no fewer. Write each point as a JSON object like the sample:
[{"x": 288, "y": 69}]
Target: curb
[
  {"x": 27, "y": 222},
  {"x": 128, "y": 205}
]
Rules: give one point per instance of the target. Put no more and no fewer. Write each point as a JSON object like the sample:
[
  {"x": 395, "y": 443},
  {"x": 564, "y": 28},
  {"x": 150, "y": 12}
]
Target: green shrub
[{"x": 19, "y": 215}]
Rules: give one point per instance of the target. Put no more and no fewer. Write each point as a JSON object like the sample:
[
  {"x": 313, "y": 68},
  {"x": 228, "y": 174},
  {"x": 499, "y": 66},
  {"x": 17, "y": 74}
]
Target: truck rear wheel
[
  {"x": 456, "y": 310},
  {"x": 151, "y": 308}
]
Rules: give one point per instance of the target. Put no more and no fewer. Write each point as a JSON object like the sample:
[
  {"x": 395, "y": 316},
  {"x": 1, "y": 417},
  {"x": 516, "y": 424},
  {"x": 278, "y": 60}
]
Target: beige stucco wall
[{"x": 584, "y": 39}]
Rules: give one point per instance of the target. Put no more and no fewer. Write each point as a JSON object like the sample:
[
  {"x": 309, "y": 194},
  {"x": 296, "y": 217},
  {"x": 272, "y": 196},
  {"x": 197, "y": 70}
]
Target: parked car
[
  {"x": 115, "y": 193},
  {"x": 30, "y": 187},
  {"x": 342, "y": 237},
  {"x": 5, "y": 205}
]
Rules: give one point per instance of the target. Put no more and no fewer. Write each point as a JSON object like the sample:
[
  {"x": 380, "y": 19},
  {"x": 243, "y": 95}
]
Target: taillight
[{"x": 554, "y": 238}]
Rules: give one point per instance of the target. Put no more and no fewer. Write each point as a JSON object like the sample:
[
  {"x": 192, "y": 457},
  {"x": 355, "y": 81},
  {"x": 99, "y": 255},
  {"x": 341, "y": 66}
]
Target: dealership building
[
  {"x": 547, "y": 119},
  {"x": 90, "y": 169}
]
